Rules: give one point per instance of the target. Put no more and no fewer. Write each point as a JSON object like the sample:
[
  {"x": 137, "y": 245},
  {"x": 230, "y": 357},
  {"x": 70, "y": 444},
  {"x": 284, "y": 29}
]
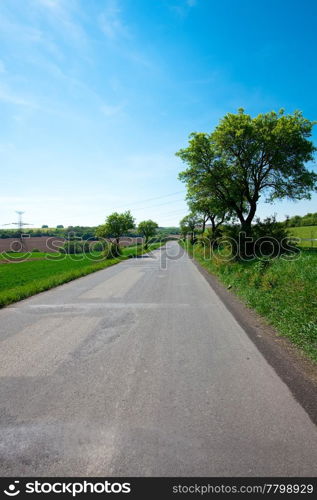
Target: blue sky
[{"x": 96, "y": 96}]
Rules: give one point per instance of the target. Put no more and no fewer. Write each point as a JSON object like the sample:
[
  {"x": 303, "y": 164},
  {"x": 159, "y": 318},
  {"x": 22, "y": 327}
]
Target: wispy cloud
[
  {"x": 51, "y": 4},
  {"x": 40, "y": 36},
  {"x": 59, "y": 20},
  {"x": 66, "y": 17},
  {"x": 19, "y": 32},
  {"x": 182, "y": 7},
  {"x": 6, "y": 147},
  {"x": 32, "y": 103},
  {"x": 111, "y": 22},
  {"x": 112, "y": 110},
  {"x": 122, "y": 37},
  {"x": 6, "y": 95}
]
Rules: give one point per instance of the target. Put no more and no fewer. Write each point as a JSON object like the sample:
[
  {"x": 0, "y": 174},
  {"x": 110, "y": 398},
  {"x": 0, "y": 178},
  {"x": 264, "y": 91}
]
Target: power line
[
  {"x": 150, "y": 199},
  {"x": 178, "y": 210},
  {"x": 20, "y": 223},
  {"x": 159, "y": 205},
  {"x": 172, "y": 216}
]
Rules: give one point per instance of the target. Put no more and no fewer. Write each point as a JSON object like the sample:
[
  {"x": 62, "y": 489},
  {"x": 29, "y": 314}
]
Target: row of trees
[
  {"x": 242, "y": 160},
  {"x": 59, "y": 226},
  {"x": 117, "y": 225},
  {"x": 309, "y": 219},
  {"x": 82, "y": 232}
]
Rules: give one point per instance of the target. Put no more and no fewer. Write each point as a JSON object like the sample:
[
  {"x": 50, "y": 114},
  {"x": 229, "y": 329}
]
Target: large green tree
[
  {"x": 246, "y": 158},
  {"x": 148, "y": 229},
  {"x": 116, "y": 226}
]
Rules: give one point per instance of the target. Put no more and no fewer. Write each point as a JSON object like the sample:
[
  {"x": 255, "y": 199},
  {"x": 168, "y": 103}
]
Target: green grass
[
  {"x": 284, "y": 292},
  {"x": 19, "y": 280},
  {"x": 13, "y": 256},
  {"x": 304, "y": 232}
]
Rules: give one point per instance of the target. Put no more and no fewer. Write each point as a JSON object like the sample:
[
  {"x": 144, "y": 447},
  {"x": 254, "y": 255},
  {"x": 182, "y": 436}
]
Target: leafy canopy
[
  {"x": 147, "y": 228},
  {"x": 116, "y": 225},
  {"x": 247, "y": 157},
  {"x": 189, "y": 224}
]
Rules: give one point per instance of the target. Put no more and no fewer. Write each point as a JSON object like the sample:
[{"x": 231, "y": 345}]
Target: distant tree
[
  {"x": 189, "y": 225},
  {"x": 169, "y": 230},
  {"x": 148, "y": 229},
  {"x": 184, "y": 229},
  {"x": 116, "y": 226},
  {"x": 44, "y": 226},
  {"x": 245, "y": 158},
  {"x": 60, "y": 226},
  {"x": 287, "y": 220}
]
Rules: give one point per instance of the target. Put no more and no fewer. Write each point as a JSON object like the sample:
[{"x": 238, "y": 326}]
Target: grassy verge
[
  {"x": 284, "y": 292},
  {"x": 19, "y": 280}
]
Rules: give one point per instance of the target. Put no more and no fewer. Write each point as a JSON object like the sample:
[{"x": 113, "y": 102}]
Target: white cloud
[
  {"x": 51, "y": 4},
  {"x": 6, "y": 147},
  {"x": 111, "y": 22},
  {"x": 65, "y": 16},
  {"x": 182, "y": 7},
  {"x": 110, "y": 110},
  {"x": 121, "y": 36},
  {"x": 32, "y": 103},
  {"x": 10, "y": 97}
]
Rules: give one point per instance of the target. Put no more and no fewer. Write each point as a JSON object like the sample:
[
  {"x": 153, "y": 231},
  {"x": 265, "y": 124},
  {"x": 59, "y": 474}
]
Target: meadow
[
  {"x": 282, "y": 291},
  {"x": 42, "y": 271},
  {"x": 305, "y": 232}
]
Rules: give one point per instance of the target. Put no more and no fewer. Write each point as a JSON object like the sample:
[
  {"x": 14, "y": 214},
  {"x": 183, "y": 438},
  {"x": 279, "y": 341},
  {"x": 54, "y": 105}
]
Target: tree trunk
[
  {"x": 246, "y": 245},
  {"x": 192, "y": 238},
  {"x": 213, "y": 224},
  {"x": 248, "y": 221}
]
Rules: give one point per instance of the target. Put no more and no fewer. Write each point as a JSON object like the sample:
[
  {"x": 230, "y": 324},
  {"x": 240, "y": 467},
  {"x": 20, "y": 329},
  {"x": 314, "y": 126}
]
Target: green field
[
  {"x": 304, "y": 232},
  {"x": 17, "y": 256},
  {"x": 282, "y": 291},
  {"x": 19, "y": 280}
]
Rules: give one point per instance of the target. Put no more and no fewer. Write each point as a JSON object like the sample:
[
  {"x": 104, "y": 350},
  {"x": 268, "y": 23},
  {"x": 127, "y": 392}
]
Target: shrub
[
  {"x": 35, "y": 250},
  {"x": 99, "y": 246},
  {"x": 75, "y": 247},
  {"x": 269, "y": 239}
]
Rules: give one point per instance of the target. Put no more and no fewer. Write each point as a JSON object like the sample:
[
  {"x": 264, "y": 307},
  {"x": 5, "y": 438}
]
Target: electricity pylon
[{"x": 20, "y": 225}]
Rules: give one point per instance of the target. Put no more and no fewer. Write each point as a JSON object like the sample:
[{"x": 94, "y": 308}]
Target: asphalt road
[{"x": 140, "y": 369}]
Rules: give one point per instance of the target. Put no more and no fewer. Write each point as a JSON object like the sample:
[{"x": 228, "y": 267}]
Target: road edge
[{"x": 290, "y": 364}]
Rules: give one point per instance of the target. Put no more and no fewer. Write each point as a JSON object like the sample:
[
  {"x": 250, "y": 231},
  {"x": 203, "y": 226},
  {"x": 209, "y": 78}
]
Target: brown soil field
[{"x": 46, "y": 243}]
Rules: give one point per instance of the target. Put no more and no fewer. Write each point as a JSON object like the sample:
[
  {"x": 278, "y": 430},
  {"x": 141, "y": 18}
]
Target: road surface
[{"x": 140, "y": 369}]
